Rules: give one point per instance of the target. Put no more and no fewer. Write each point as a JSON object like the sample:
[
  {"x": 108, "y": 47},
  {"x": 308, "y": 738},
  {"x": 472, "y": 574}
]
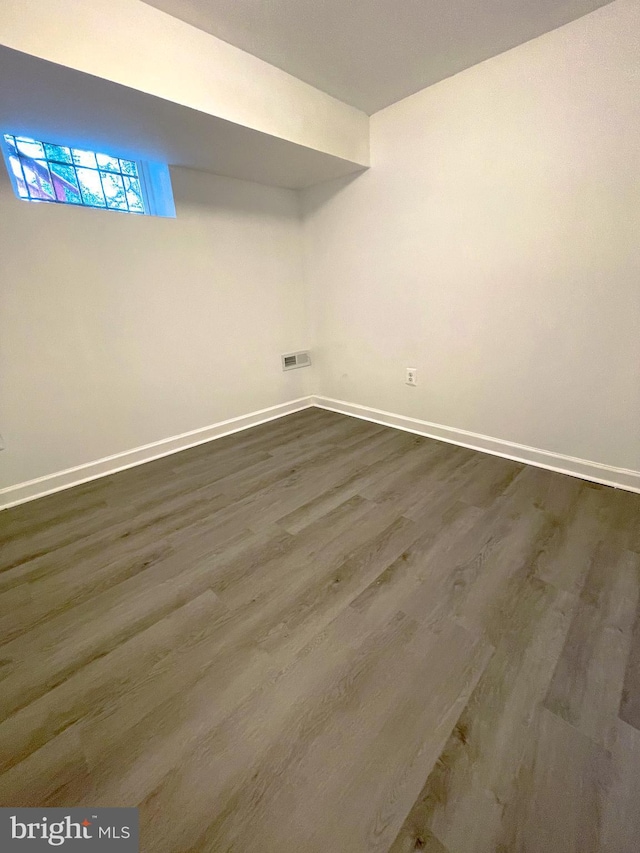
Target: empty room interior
[{"x": 320, "y": 416}]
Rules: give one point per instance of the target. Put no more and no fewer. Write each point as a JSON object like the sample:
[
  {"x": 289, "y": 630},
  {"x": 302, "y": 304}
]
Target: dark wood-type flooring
[{"x": 326, "y": 636}]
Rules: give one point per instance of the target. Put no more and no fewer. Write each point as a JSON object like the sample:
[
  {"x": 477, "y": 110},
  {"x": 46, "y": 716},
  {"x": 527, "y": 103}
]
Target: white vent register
[{"x": 293, "y": 360}]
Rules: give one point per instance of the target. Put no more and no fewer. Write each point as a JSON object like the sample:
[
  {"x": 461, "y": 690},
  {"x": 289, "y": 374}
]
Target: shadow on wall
[
  {"x": 317, "y": 196},
  {"x": 193, "y": 188}
]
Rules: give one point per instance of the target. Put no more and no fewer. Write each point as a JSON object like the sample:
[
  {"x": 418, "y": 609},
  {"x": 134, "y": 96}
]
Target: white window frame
[{"x": 155, "y": 180}]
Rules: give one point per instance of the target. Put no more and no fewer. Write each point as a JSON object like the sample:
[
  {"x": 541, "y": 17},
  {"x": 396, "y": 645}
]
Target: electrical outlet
[{"x": 412, "y": 376}]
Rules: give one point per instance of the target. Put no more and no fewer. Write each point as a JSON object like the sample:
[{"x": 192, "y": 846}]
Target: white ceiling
[
  {"x": 58, "y": 104},
  {"x": 371, "y": 53}
]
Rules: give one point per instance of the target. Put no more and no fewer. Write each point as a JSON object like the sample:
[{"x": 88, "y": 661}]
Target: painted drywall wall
[
  {"x": 494, "y": 246},
  {"x": 117, "y": 330},
  {"x": 136, "y": 45}
]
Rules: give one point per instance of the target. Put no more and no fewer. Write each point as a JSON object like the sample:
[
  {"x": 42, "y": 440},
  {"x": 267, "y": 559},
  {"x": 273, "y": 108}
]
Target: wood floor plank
[
  {"x": 57, "y": 648},
  {"x": 322, "y": 731},
  {"x": 587, "y": 686},
  {"x": 393, "y": 449},
  {"x": 96, "y": 690},
  {"x": 238, "y": 580},
  {"x": 160, "y": 521},
  {"x": 417, "y": 469},
  {"x": 463, "y": 800},
  {"x": 621, "y": 818},
  {"x": 338, "y": 582},
  {"x": 630, "y": 702},
  {"x": 444, "y": 485},
  {"x": 566, "y": 557},
  {"x": 53, "y": 509},
  {"x": 422, "y": 580},
  {"x": 130, "y": 757},
  {"x": 72, "y": 586},
  {"x": 55, "y": 775},
  {"x": 325, "y": 635},
  {"x": 562, "y": 807},
  {"x": 412, "y": 838},
  {"x": 490, "y": 481},
  {"x": 553, "y": 493},
  {"x": 621, "y": 511},
  {"x": 325, "y": 546},
  {"x": 263, "y": 501},
  {"x": 507, "y": 563}
]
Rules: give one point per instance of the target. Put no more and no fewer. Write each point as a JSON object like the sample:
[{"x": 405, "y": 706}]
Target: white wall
[
  {"x": 117, "y": 330},
  {"x": 495, "y": 246},
  {"x": 138, "y": 46}
]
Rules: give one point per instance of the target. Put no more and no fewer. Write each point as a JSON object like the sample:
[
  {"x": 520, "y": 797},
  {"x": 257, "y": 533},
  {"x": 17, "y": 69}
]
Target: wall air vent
[{"x": 293, "y": 360}]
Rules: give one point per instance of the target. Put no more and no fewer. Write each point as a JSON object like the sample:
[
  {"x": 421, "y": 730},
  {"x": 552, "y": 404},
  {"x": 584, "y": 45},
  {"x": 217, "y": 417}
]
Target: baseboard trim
[
  {"x": 619, "y": 478},
  {"x": 47, "y": 485}
]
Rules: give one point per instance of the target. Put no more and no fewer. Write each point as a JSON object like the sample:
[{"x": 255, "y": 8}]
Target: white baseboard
[
  {"x": 38, "y": 488},
  {"x": 620, "y": 478}
]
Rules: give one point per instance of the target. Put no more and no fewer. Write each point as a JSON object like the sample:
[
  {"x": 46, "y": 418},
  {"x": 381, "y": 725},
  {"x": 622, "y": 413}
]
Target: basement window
[{"x": 61, "y": 174}]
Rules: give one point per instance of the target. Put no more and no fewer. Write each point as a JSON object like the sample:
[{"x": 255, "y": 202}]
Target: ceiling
[
  {"x": 371, "y": 53},
  {"x": 51, "y": 102}
]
